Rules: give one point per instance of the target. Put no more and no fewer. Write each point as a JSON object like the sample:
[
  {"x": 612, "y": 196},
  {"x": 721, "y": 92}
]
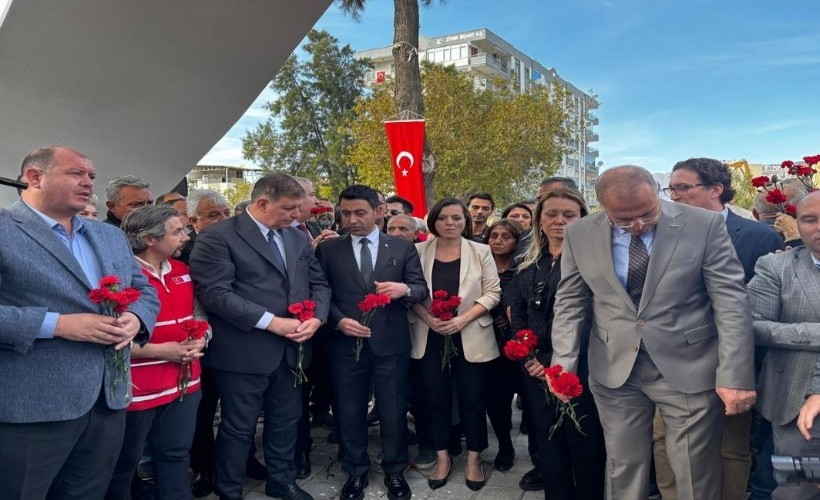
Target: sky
[{"x": 676, "y": 79}]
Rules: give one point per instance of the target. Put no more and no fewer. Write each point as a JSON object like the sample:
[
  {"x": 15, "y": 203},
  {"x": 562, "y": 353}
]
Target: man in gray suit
[
  {"x": 784, "y": 295},
  {"x": 671, "y": 329},
  {"x": 62, "y": 413}
]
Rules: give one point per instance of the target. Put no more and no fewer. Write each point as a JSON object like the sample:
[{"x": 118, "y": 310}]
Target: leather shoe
[
  {"x": 504, "y": 460},
  {"x": 435, "y": 484},
  {"x": 397, "y": 487},
  {"x": 354, "y": 487},
  {"x": 532, "y": 480},
  {"x": 255, "y": 470},
  {"x": 303, "y": 466},
  {"x": 202, "y": 484},
  {"x": 476, "y": 485},
  {"x": 290, "y": 491}
]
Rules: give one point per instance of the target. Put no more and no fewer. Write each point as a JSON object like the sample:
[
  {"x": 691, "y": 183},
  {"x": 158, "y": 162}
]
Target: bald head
[
  {"x": 629, "y": 197},
  {"x": 808, "y": 222},
  {"x": 623, "y": 181}
]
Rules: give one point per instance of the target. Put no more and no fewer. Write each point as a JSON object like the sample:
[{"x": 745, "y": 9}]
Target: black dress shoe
[
  {"x": 532, "y": 480},
  {"x": 255, "y": 469},
  {"x": 354, "y": 487},
  {"x": 435, "y": 484},
  {"x": 504, "y": 460},
  {"x": 476, "y": 485},
  {"x": 202, "y": 484},
  {"x": 290, "y": 491},
  {"x": 397, "y": 487},
  {"x": 303, "y": 467}
]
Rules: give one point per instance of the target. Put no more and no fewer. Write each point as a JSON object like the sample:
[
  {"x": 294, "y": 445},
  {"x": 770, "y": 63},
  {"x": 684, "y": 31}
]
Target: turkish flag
[
  {"x": 380, "y": 77},
  {"x": 406, "y": 138}
]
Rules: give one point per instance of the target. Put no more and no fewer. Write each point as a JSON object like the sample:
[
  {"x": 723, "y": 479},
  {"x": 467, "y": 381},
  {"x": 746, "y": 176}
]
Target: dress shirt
[
  {"x": 266, "y": 318},
  {"x": 373, "y": 238},
  {"x": 620, "y": 250},
  {"x": 77, "y": 243}
]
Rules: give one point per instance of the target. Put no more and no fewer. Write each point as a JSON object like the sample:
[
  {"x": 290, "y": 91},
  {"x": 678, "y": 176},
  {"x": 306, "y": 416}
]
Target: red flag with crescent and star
[{"x": 406, "y": 138}]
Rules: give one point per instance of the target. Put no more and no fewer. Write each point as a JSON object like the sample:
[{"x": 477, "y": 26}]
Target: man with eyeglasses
[
  {"x": 124, "y": 194},
  {"x": 707, "y": 183},
  {"x": 671, "y": 330},
  {"x": 396, "y": 205}
]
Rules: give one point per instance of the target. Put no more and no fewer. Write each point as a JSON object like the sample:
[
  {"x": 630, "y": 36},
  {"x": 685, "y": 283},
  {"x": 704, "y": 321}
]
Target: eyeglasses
[
  {"x": 635, "y": 223},
  {"x": 680, "y": 188},
  {"x": 394, "y": 212}
]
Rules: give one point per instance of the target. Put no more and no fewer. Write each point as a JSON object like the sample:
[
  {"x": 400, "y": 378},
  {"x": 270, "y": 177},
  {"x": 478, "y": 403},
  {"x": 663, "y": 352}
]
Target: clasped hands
[
  {"x": 293, "y": 329},
  {"x": 98, "y": 328}
]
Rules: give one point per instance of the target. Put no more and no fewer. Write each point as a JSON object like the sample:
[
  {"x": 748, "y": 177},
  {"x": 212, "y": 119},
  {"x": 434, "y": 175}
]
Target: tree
[
  {"x": 408, "y": 91},
  {"x": 239, "y": 192},
  {"x": 305, "y": 134},
  {"x": 485, "y": 140}
]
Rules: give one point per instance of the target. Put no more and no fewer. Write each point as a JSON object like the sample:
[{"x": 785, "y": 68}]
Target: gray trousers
[
  {"x": 789, "y": 441},
  {"x": 694, "y": 424}
]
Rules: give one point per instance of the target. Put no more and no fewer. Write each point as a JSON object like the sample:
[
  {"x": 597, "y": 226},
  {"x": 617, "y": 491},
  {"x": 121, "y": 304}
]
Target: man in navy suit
[
  {"x": 248, "y": 270},
  {"x": 362, "y": 262},
  {"x": 707, "y": 184},
  {"x": 62, "y": 411}
]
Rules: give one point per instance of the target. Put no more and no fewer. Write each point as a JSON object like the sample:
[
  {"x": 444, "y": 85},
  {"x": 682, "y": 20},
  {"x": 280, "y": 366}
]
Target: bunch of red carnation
[
  {"x": 773, "y": 186},
  {"x": 303, "y": 311},
  {"x": 368, "y": 307},
  {"x": 568, "y": 385},
  {"x": 444, "y": 305},
  {"x": 114, "y": 300},
  {"x": 320, "y": 210},
  {"x": 522, "y": 346},
  {"x": 194, "y": 330}
]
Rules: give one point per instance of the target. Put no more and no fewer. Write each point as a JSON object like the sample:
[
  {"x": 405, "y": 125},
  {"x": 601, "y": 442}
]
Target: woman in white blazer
[{"x": 453, "y": 263}]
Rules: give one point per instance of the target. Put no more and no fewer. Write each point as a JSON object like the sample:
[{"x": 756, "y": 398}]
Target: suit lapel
[
  {"x": 34, "y": 226},
  {"x": 247, "y": 229},
  {"x": 429, "y": 260},
  {"x": 466, "y": 258},
  {"x": 667, "y": 233},
  {"x": 100, "y": 245},
  {"x": 603, "y": 249},
  {"x": 348, "y": 255},
  {"x": 733, "y": 226},
  {"x": 383, "y": 257}
]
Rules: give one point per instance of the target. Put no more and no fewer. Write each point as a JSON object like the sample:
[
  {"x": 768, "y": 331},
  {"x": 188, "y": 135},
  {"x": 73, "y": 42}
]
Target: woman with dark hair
[
  {"x": 503, "y": 378},
  {"x": 572, "y": 463},
  {"x": 463, "y": 268},
  {"x": 520, "y": 213}
]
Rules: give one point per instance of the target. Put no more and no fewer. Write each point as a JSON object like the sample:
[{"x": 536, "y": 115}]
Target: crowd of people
[{"x": 693, "y": 331}]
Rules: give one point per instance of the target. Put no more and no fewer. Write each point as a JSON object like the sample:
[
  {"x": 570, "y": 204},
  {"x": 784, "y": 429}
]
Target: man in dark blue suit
[
  {"x": 62, "y": 407},
  {"x": 248, "y": 270},
  {"x": 707, "y": 184},
  {"x": 362, "y": 262}
]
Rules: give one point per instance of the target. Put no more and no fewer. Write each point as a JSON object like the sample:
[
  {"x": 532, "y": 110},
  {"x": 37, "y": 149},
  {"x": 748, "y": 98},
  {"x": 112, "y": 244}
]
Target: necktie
[
  {"x": 638, "y": 262},
  {"x": 302, "y": 227},
  {"x": 277, "y": 255},
  {"x": 366, "y": 262}
]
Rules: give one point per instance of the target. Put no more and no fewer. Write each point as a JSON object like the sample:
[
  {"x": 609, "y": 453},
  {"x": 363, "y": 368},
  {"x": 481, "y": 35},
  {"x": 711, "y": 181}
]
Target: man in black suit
[
  {"x": 247, "y": 270},
  {"x": 362, "y": 262}
]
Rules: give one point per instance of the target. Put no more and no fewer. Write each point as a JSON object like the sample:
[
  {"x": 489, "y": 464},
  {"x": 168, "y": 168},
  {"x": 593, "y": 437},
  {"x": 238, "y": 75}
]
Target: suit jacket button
[{"x": 641, "y": 322}]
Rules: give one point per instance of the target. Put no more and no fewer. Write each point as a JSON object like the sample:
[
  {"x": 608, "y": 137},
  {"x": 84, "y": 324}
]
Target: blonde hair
[{"x": 538, "y": 241}]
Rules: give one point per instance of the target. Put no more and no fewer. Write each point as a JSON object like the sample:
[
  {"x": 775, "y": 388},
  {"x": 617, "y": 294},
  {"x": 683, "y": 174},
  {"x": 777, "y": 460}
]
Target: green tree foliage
[
  {"x": 485, "y": 140},
  {"x": 239, "y": 192},
  {"x": 305, "y": 134}
]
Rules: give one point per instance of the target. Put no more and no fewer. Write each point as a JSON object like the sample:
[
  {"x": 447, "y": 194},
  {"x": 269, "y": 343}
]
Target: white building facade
[{"x": 486, "y": 56}]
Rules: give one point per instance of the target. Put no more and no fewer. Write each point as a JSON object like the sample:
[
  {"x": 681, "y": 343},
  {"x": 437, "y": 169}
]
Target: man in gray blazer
[
  {"x": 62, "y": 412},
  {"x": 784, "y": 295},
  {"x": 671, "y": 329}
]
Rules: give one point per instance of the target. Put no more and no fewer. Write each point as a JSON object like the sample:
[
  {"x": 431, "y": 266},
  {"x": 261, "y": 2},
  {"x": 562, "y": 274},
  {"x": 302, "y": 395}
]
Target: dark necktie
[
  {"x": 638, "y": 262},
  {"x": 302, "y": 227},
  {"x": 277, "y": 255},
  {"x": 366, "y": 262}
]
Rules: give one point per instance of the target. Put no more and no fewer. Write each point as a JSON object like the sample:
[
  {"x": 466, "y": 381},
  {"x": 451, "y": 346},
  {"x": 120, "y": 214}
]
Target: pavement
[{"x": 327, "y": 477}]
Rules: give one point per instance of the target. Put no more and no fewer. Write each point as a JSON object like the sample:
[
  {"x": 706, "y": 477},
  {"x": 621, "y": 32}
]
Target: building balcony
[
  {"x": 592, "y": 119},
  {"x": 593, "y": 152},
  {"x": 590, "y": 136},
  {"x": 486, "y": 64}
]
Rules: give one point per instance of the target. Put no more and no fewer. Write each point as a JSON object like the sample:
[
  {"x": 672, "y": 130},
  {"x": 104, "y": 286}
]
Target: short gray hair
[
  {"x": 414, "y": 225},
  {"x": 115, "y": 185},
  {"x": 197, "y": 197},
  {"x": 146, "y": 221},
  {"x": 793, "y": 188}
]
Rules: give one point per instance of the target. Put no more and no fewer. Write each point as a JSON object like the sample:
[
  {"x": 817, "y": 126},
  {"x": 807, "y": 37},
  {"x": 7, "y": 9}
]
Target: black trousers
[
  {"x": 503, "y": 380},
  {"x": 71, "y": 459},
  {"x": 419, "y": 406},
  {"x": 168, "y": 430},
  {"x": 470, "y": 382},
  {"x": 351, "y": 391},
  {"x": 573, "y": 464},
  {"x": 244, "y": 396}
]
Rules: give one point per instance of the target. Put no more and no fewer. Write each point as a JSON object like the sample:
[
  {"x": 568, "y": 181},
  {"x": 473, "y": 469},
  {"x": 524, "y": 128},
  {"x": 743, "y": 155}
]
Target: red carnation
[
  {"x": 811, "y": 160},
  {"x": 194, "y": 329},
  {"x": 805, "y": 171},
  {"x": 567, "y": 384},
  {"x": 440, "y": 294},
  {"x": 552, "y": 372},
  {"x": 309, "y": 305},
  {"x": 296, "y": 309},
  {"x": 760, "y": 182},
  {"x": 787, "y": 164},
  {"x": 776, "y": 197}
]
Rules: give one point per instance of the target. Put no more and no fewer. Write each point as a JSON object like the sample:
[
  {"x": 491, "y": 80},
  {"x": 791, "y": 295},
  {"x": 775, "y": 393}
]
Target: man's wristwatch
[{"x": 409, "y": 291}]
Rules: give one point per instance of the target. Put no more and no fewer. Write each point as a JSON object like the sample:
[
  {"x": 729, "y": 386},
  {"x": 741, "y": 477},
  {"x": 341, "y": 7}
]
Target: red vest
[{"x": 156, "y": 382}]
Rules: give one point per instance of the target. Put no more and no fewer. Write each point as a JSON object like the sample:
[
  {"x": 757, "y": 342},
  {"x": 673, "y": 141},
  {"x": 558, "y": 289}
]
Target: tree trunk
[{"x": 408, "y": 77}]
